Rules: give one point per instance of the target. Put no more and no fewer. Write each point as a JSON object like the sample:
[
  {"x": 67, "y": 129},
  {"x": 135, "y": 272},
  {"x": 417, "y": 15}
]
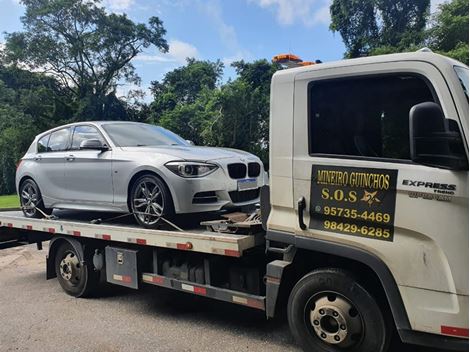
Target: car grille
[
  {"x": 205, "y": 198},
  {"x": 237, "y": 170},
  {"x": 244, "y": 196},
  {"x": 254, "y": 169}
]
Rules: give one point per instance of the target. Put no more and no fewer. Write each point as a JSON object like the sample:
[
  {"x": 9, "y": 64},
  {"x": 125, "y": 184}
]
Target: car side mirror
[
  {"x": 431, "y": 141},
  {"x": 190, "y": 142},
  {"x": 93, "y": 144}
]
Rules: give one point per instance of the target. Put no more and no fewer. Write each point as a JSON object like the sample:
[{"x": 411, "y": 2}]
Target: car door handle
[
  {"x": 37, "y": 158},
  {"x": 70, "y": 158},
  {"x": 300, "y": 211}
]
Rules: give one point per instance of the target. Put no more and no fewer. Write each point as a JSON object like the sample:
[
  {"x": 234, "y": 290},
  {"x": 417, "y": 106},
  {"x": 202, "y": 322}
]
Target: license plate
[{"x": 247, "y": 184}]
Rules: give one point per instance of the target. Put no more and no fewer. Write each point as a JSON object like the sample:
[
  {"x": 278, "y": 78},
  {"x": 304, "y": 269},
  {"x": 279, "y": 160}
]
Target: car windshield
[
  {"x": 141, "y": 135},
  {"x": 462, "y": 73}
]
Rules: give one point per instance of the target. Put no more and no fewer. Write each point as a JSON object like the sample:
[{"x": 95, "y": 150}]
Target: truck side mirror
[{"x": 431, "y": 142}]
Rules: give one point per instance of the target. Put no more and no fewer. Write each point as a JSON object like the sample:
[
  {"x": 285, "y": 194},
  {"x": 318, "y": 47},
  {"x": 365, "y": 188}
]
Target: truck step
[{"x": 221, "y": 294}]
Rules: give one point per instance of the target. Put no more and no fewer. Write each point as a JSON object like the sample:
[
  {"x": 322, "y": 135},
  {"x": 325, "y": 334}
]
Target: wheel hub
[
  {"x": 148, "y": 202},
  {"x": 70, "y": 268},
  {"x": 336, "y": 321}
]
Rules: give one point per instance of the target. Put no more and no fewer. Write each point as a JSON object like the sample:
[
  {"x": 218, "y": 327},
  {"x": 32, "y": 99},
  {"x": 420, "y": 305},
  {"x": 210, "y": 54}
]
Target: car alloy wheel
[
  {"x": 29, "y": 198},
  {"x": 148, "y": 200}
]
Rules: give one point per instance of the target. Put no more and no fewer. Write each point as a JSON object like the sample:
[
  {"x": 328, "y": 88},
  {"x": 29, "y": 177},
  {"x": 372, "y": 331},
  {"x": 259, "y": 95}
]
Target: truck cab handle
[{"x": 300, "y": 212}]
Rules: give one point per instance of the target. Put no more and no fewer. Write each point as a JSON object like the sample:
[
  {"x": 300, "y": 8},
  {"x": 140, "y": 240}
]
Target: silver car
[{"x": 133, "y": 167}]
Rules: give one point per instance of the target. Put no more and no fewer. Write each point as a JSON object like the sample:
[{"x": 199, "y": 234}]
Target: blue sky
[{"x": 220, "y": 29}]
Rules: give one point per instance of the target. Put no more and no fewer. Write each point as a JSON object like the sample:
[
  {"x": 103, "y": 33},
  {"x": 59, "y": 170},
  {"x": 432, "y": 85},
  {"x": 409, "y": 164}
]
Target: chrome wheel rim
[
  {"x": 29, "y": 199},
  {"x": 70, "y": 269},
  {"x": 335, "y": 320},
  {"x": 148, "y": 202}
]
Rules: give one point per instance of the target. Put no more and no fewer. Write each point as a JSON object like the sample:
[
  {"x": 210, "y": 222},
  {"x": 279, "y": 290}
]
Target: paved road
[{"x": 35, "y": 315}]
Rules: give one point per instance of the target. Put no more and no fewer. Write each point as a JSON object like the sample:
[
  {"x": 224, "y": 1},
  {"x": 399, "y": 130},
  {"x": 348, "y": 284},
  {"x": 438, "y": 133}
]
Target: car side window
[
  {"x": 83, "y": 133},
  {"x": 42, "y": 144},
  {"x": 59, "y": 140},
  {"x": 364, "y": 116}
]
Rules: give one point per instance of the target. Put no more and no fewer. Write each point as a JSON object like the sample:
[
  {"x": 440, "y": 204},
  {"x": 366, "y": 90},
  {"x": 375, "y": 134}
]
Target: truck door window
[
  {"x": 366, "y": 116},
  {"x": 462, "y": 73}
]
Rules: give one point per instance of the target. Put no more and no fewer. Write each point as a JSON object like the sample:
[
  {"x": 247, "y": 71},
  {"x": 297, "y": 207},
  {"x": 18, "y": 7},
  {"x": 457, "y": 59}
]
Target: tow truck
[{"x": 362, "y": 232}]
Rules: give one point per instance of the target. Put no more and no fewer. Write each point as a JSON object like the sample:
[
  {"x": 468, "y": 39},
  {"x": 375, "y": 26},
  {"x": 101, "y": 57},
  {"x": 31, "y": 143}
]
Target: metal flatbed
[{"x": 79, "y": 225}]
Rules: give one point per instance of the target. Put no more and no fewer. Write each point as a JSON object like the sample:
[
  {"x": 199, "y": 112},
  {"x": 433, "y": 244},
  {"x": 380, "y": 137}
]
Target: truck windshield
[
  {"x": 462, "y": 73},
  {"x": 141, "y": 135}
]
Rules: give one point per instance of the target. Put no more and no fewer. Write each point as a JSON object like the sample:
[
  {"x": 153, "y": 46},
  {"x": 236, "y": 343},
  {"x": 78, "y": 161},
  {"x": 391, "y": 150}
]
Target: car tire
[
  {"x": 155, "y": 201},
  {"x": 31, "y": 200},
  {"x": 329, "y": 311}
]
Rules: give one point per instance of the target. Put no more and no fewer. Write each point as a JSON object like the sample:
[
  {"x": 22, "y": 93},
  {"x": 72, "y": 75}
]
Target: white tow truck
[{"x": 363, "y": 230}]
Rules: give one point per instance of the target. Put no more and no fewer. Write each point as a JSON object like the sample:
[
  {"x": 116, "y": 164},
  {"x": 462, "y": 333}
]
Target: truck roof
[{"x": 430, "y": 57}]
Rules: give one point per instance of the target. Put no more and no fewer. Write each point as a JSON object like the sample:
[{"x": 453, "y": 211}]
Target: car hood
[{"x": 193, "y": 152}]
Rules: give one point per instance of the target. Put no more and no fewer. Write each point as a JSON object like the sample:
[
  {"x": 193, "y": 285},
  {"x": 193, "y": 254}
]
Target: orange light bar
[
  {"x": 306, "y": 63},
  {"x": 286, "y": 57}
]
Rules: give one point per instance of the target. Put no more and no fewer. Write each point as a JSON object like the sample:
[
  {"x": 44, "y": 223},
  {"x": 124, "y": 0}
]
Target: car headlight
[{"x": 191, "y": 168}]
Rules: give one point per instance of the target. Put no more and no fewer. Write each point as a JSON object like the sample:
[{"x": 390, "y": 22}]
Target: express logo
[
  {"x": 442, "y": 188},
  {"x": 370, "y": 198}
]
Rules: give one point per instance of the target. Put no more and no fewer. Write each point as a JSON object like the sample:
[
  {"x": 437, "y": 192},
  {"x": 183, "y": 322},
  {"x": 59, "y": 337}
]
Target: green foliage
[
  {"x": 356, "y": 22},
  {"x": 375, "y": 25},
  {"x": 190, "y": 102},
  {"x": 29, "y": 103},
  {"x": 449, "y": 31},
  {"x": 85, "y": 48}
]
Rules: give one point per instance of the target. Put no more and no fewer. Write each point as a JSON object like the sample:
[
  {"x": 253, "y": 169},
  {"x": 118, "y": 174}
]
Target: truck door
[{"x": 352, "y": 165}]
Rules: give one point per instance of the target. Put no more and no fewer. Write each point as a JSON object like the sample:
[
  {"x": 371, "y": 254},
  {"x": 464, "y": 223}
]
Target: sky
[{"x": 228, "y": 30}]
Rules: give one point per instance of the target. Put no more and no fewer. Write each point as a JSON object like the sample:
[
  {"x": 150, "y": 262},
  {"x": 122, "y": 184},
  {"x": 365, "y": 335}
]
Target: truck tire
[
  {"x": 77, "y": 278},
  {"x": 330, "y": 311}
]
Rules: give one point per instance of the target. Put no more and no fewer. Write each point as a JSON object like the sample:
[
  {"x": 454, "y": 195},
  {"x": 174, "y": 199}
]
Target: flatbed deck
[{"x": 78, "y": 224}]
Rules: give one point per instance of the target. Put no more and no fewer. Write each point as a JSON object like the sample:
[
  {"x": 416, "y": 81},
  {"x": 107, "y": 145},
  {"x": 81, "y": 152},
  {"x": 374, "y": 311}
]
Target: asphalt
[{"x": 36, "y": 315}]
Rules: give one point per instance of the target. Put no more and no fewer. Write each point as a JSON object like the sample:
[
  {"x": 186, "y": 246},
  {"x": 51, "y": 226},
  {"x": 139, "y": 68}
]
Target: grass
[{"x": 11, "y": 201}]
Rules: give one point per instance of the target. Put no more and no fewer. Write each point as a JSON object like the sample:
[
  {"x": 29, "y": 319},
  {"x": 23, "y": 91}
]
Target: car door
[
  {"x": 88, "y": 172},
  {"x": 351, "y": 164},
  {"x": 49, "y": 170}
]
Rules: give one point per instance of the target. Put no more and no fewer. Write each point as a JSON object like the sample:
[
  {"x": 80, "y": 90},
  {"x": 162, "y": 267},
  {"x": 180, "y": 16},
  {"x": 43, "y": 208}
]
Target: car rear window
[
  {"x": 59, "y": 140},
  {"x": 42, "y": 143}
]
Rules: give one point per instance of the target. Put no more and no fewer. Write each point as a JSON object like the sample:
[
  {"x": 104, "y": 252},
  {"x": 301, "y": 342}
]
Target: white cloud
[
  {"x": 227, "y": 33},
  {"x": 177, "y": 53},
  {"x": 118, "y": 5},
  {"x": 180, "y": 50},
  {"x": 309, "y": 12},
  {"x": 435, "y": 3}
]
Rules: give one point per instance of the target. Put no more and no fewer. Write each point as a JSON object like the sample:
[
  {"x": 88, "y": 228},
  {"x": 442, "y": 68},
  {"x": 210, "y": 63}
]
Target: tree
[
  {"x": 377, "y": 26},
  {"x": 449, "y": 30},
  {"x": 181, "y": 99},
  {"x": 356, "y": 23},
  {"x": 85, "y": 48},
  {"x": 184, "y": 84}
]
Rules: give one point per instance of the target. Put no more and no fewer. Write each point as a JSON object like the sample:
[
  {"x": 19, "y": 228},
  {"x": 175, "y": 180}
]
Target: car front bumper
[{"x": 212, "y": 192}]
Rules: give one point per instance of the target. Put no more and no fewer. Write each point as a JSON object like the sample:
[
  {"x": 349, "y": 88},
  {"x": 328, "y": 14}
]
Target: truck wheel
[
  {"x": 77, "y": 279},
  {"x": 329, "y": 311},
  {"x": 31, "y": 200}
]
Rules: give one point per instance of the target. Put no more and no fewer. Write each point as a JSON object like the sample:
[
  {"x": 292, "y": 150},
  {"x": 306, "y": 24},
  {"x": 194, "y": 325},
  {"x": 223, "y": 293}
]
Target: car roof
[{"x": 94, "y": 123}]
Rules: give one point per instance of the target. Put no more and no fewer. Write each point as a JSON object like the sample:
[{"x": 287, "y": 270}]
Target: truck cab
[{"x": 369, "y": 171}]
